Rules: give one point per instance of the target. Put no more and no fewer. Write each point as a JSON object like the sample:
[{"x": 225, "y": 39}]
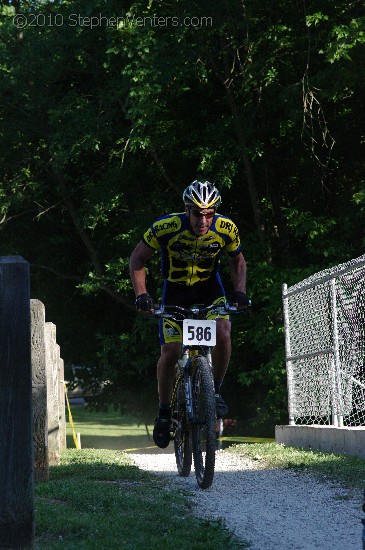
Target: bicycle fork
[
  {"x": 188, "y": 354},
  {"x": 186, "y": 369}
]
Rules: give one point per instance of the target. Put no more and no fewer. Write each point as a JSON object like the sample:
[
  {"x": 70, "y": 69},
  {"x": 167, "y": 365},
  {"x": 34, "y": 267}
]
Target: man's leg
[
  {"x": 165, "y": 377},
  {"x": 220, "y": 357},
  {"x": 166, "y": 371},
  {"x": 222, "y": 351}
]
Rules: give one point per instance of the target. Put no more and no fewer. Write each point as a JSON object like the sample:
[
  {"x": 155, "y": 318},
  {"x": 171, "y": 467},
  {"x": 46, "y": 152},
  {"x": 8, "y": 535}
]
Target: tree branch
[
  {"x": 226, "y": 79},
  {"x": 163, "y": 172},
  {"x": 58, "y": 273},
  {"x": 86, "y": 240}
]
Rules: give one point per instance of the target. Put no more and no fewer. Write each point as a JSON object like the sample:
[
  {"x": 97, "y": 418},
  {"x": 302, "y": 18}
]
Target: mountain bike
[{"x": 193, "y": 422}]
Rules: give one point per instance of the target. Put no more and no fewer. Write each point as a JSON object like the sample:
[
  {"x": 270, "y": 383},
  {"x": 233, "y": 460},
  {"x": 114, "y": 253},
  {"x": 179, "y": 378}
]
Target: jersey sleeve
[
  {"x": 228, "y": 229},
  {"x": 162, "y": 230},
  {"x": 150, "y": 239}
]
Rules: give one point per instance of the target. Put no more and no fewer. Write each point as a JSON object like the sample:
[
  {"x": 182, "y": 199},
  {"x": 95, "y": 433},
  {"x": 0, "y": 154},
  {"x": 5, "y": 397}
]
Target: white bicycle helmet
[{"x": 202, "y": 195}]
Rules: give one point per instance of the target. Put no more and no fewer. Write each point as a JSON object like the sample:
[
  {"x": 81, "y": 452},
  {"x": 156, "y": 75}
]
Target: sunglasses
[{"x": 198, "y": 214}]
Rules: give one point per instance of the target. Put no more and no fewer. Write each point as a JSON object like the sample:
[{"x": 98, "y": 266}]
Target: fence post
[
  {"x": 289, "y": 365},
  {"x": 337, "y": 395},
  {"x": 62, "y": 404},
  {"x": 52, "y": 395},
  {"x": 39, "y": 391},
  {"x": 16, "y": 419}
]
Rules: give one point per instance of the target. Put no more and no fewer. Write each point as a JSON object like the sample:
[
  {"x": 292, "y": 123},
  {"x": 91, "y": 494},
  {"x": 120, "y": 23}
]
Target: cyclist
[{"x": 190, "y": 244}]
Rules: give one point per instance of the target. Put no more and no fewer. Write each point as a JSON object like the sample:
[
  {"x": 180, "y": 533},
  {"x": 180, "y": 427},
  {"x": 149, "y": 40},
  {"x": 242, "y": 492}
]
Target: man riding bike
[{"x": 190, "y": 244}]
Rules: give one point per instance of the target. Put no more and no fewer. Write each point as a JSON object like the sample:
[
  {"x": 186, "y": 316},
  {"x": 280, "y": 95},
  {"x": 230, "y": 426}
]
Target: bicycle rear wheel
[
  {"x": 204, "y": 422},
  {"x": 182, "y": 436}
]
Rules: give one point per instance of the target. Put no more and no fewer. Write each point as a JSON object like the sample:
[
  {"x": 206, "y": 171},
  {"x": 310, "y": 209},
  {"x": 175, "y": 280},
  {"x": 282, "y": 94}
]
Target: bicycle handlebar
[{"x": 170, "y": 311}]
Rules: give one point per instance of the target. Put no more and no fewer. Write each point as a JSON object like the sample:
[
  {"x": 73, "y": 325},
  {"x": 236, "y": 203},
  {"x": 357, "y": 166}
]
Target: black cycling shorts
[{"x": 203, "y": 293}]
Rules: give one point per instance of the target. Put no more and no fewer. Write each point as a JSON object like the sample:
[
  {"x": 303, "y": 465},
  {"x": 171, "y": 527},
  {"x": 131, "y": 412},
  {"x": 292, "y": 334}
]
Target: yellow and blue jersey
[{"x": 186, "y": 258}]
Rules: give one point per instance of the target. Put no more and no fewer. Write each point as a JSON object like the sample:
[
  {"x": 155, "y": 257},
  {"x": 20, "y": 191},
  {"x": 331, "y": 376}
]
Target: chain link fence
[{"x": 324, "y": 319}]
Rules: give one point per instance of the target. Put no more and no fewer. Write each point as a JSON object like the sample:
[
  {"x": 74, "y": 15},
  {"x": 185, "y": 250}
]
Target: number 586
[{"x": 200, "y": 333}]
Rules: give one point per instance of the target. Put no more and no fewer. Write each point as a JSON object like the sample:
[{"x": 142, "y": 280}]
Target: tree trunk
[{"x": 225, "y": 79}]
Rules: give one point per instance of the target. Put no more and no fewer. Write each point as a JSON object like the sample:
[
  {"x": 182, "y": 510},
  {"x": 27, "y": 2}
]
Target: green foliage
[
  {"x": 345, "y": 38},
  {"x": 102, "y": 127}
]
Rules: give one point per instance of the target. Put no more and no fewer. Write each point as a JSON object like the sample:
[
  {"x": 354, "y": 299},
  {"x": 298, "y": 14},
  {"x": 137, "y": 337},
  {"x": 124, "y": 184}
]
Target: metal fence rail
[{"x": 324, "y": 318}]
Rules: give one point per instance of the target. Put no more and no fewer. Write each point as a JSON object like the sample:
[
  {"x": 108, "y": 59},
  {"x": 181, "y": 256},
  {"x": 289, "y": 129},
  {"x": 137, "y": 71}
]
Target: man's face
[{"x": 200, "y": 219}]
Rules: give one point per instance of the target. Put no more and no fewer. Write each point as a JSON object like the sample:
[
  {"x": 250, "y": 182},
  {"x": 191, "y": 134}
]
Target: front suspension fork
[{"x": 188, "y": 354}]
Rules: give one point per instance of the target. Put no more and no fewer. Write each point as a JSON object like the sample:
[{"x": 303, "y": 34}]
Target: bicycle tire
[
  {"x": 182, "y": 436},
  {"x": 204, "y": 443}
]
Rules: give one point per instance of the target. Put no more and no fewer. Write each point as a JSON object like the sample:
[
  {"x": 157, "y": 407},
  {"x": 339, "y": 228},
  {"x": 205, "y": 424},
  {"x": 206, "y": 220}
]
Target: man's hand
[
  {"x": 144, "y": 302},
  {"x": 240, "y": 299}
]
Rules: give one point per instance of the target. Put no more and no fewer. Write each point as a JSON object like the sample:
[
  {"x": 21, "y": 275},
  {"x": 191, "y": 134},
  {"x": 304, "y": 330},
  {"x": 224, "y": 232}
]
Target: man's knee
[
  {"x": 223, "y": 331},
  {"x": 170, "y": 353}
]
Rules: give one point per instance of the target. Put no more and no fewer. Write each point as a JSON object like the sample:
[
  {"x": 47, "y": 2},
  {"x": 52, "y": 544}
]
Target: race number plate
[{"x": 199, "y": 332}]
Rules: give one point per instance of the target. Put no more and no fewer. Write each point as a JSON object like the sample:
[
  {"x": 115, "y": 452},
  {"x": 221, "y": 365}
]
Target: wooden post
[
  {"x": 52, "y": 395},
  {"x": 39, "y": 391},
  {"x": 62, "y": 404},
  {"x": 16, "y": 418}
]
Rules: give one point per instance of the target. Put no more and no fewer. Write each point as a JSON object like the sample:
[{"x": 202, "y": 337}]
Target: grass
[
  {"x": 107, "y": 430},
  {"x": 96, "y": 499},
  {"x": 346, "y": 469},
  {"x": 110, "y": 430}
]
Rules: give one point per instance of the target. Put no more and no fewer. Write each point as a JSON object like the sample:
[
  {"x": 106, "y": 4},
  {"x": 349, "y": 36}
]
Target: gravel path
[{"x": 273, "y": 509}]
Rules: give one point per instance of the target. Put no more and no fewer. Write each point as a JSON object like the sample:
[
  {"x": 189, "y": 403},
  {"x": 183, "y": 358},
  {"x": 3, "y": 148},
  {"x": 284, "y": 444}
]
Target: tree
[{"x": 104, "y": 122}]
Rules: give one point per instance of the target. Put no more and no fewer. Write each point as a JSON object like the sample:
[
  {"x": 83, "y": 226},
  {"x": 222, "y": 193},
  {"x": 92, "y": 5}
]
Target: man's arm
[
  {"x": 238, "y": 269},
  {"x": 139, "y": 257}
]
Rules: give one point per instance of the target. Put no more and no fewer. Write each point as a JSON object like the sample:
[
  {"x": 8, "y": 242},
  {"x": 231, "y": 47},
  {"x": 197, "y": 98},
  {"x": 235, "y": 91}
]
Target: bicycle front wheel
[
  {"x": 182, "y": 436},
  {"x": 204, "y": 422}
]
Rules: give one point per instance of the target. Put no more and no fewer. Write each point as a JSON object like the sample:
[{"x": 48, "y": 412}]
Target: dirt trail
[{"x": 273, "y": 509}]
